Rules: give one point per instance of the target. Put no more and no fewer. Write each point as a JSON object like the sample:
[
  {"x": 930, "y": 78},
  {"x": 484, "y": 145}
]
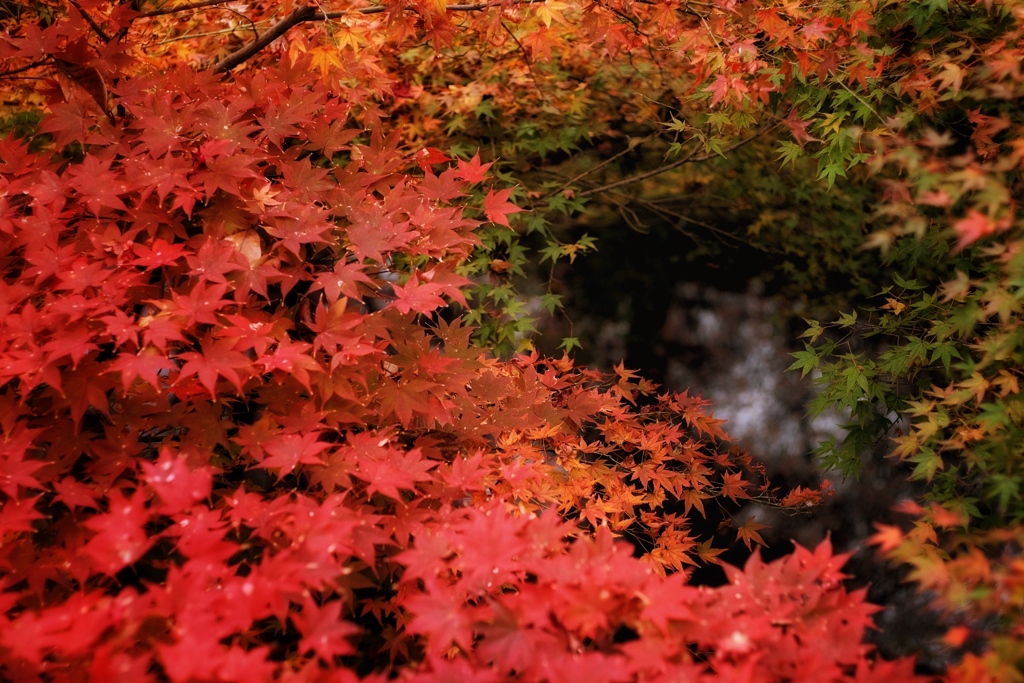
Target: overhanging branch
[
  {"x": 302, "y": 14},
  {"x": 307, "y": 13}
]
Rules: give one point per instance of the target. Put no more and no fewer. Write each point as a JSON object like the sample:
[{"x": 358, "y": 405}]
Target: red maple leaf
[
  {"x": 224, "y": 168},
  {"x": 973, "y": 227},
  {"x": 344, "y": 278},
  {"x": 389, "y": 470},
  {"x": 159, "y": 254},
  {"x": 301, "y": 225},
  {"x": 373, "y": 232},
  {"x": 148, "y": 364},
  {"x": 17, "y": 515},
  {"x": 719, "y": 89},
  {"x": 466, "y": 473},
  {"x": 421, "y": 297},
  {"x": 159, "y": 330},
  {"x": 428, "y": 156},
  {"x": 176, "y": 482},
  {"x": 440, "y": 615},
  {"x": 668, "y": 599},
  {"x": 217, "y": 359},
  {"x": 442, "y": 189},
  {"x": 816, "y": 30},
  {"x": 294, "y": 359},
  {"x": 122, "y": 327},
  {"x": 97, "y": 184},
  {"x": 323, "y": 630},
  {"x": 121, "y": 538},
  {"x": 213, "y": 261},
  {"x": 286, "y": 451},
  {"x": 733, "y": 486},
  {"x": 15, "y": 472},
  {"x": 887, "y": 537},
  {"x": 199, "y": 306},
  {"x": 498, "y": 208},
  {"x": 473, "y": 171},
  {"x": 246, "y": 508},
  {"x": 74, "y": 494}
]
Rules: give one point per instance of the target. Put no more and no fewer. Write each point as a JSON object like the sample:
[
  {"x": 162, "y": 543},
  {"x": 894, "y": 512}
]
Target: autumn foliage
[{"x": 245, "y": 433}]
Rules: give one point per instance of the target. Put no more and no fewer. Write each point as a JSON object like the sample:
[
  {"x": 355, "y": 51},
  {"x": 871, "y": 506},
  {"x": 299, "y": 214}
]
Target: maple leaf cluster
[
  {"x": 979, "y": 581},
  {"x": 243, "y": 436}
]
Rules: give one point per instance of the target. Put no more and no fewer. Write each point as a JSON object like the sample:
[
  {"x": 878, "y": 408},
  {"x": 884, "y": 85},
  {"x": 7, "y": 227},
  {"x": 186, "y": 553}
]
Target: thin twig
[
  {"x": 632, "y": 20},
  {"x": 526, "y": 56},
  {"x": 689, "y": 159},
  {"x": 862, "y": 101},
  {"x": 194, "y": 36},
  {"x": 97, "y": 29},
  {"x": 183, "y": 8},
  {"x": 681, "y": 218},
  {"x": 243, "y": 17},
  {"x": 27, "y": 67},
  {"x": 643, "y": 176},
  {"x": 601, "y": 165}
]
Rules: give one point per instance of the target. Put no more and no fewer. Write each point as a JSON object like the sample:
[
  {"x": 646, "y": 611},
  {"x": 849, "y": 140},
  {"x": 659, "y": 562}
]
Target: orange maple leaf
[{"x": 748, "y": 533}]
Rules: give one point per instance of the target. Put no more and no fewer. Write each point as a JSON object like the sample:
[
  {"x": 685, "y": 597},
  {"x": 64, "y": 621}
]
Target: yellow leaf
[
  {"x": 952, "y": 78},
  {"x": 895, "y": 305},
  {"x": 551, "y": 11},
  {"x": 326, "y": 58},
  {"x": 977, "y": 385}
]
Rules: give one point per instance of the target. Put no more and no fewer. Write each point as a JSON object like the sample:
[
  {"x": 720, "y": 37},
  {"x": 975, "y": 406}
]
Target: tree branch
[
  {"x": 27, "y": 67},
  {"x": 304, "y": 14}
]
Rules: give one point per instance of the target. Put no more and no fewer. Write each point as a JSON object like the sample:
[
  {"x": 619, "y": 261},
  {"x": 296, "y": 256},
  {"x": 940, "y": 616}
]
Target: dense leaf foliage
[
  {"x": 249, "y": 251},
  {"x": 243, "y": 440}
]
